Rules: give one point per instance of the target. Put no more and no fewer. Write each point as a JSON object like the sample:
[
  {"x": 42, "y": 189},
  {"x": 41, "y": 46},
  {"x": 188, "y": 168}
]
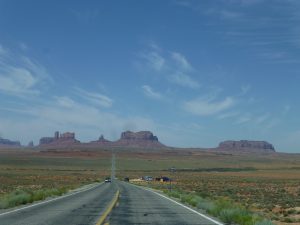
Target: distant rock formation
[
  {"x": 64, "y": 139},
  {"x": 30, "y": 144},
  {"x": 139, "y": 139},
  {"x": 141, "y": 135},
  {"x": 101, "y": 141},
  {"x": 246, "y": 146},
  {"x": 67, "y": 135},
  {"x": 9, "y": 143}
]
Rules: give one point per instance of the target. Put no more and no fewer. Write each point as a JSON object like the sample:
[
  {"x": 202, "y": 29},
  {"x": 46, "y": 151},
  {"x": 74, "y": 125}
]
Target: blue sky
[{"x": 193, "y": 72}]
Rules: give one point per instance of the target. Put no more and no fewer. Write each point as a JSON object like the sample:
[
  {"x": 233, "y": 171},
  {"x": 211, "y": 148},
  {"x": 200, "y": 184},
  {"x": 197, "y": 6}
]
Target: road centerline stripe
[{"x": 109, "y": 208}]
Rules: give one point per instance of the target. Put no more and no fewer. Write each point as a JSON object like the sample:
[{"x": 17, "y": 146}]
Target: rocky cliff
[
  {"x": 139, "y": 139},
  {"x": 9, "y": 143},
  {"x": 64, "y": 139},
  {"x": 246, "y": 146}
]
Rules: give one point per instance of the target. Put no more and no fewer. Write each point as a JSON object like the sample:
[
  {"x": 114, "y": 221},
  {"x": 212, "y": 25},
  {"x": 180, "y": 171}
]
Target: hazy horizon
[{"x": 194, "y": 73}]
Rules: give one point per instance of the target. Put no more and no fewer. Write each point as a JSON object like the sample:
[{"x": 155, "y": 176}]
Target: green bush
[
  {"x": 174, "y": 194},
  {"x": 219, "y": 206},
  {"x": 205, "y": 205},
  {"x": 237, "y": 216},
  {"x": 264, "y": 222},
  {"x": 225, "y": 209},
  {"x": 20, "y": 197},
  {"x": 186, "y": 198},
  {"x": 15, "y": 198}
]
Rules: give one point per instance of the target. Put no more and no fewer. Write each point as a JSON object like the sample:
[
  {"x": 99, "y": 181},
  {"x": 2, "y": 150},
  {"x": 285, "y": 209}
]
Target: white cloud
[
  {"x": 154, "y": 60},
  {"x": 228, "y": 115},
  {"x": 183, "y": 80},
  {"x": 206, "y": 107},
  {"x": 17, "y": 81},
  {"x": 94, "y": 98},
  {"x": 149, "y": 92},
  {"x": 65, "y": 101},
  {"x": 262, "y": 118},
  {"x": 174, "y": 66},
  {"x": 181, "y": 61},
  {"x": 19, "y": 75}
]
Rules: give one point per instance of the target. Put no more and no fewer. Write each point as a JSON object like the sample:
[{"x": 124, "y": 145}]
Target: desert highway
[
  {"x": 135, "y": 206},
  {"x": 82, "y": 208},
  {"x": 140, "y": 206}
]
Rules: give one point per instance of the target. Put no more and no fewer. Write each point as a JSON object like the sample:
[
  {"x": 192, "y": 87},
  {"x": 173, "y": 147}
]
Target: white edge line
[
  {"x": 51, "y": 200},
  {"x": 194, "y": 211}
]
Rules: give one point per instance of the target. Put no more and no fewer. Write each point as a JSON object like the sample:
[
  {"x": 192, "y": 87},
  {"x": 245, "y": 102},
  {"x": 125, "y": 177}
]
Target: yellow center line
[{"x": 109, "y": 209}]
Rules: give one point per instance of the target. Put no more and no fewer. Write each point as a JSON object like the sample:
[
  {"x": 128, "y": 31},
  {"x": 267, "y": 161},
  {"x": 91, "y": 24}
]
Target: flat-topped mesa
[
  {"x": 139, "y": 139},
  {"x": 9, "y": 143},
  {"x": 67, "y": 135},
  {"x": 141, "y": 135},
  {"x": 62, "y": 139},
  {"x": 247, "y": 146}
]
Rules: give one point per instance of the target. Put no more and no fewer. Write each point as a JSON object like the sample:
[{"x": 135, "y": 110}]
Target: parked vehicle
[
  {"x": 107, "y": 180},
  {"x": 147, "y": 178},
  {"x": 126, "y": 179}
]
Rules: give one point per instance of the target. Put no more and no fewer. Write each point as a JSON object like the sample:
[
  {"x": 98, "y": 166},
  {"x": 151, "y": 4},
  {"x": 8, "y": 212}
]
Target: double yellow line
[{"x": 109, "y": 209}]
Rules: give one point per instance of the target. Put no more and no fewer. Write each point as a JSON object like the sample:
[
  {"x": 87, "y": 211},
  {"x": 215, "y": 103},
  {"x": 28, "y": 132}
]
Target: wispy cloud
[
  {"x": 173, "y": 65},
  {"x": 244, "y": 118},
  {"x": 183, "y": 80},
  {"x": 65, "y": 101},
  {"x": 262, "y": 118},
  {"x": 208, "y": 106},
  {"x": 94, "y": 98},
  {"x": 20, "y": 75},
  {"x": 181, "y": 61},
  {"x": 227, "y": 115},
  {"x": 149, "y": 92},
  {"x": 154, "y": 60}
]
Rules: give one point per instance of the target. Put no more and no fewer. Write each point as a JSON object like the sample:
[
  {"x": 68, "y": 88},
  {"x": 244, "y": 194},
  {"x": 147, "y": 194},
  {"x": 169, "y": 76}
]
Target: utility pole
[{"x": 172, "y": 170}]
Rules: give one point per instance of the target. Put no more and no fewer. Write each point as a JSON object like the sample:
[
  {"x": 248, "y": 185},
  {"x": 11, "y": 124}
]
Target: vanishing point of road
[{"x": 136, "y": 205}]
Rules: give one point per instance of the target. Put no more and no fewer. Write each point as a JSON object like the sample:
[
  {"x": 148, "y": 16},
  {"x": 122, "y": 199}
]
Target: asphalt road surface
[
  {"x": 135, "y": 206},
  {"x": 83, "y": 208},
  {"x": 139, "y": 206}
]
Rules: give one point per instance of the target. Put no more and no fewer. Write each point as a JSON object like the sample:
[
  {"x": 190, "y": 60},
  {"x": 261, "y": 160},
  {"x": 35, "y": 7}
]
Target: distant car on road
[
  {"x": 126, "y": 179},
  {"x": 107, "y": 180}
]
